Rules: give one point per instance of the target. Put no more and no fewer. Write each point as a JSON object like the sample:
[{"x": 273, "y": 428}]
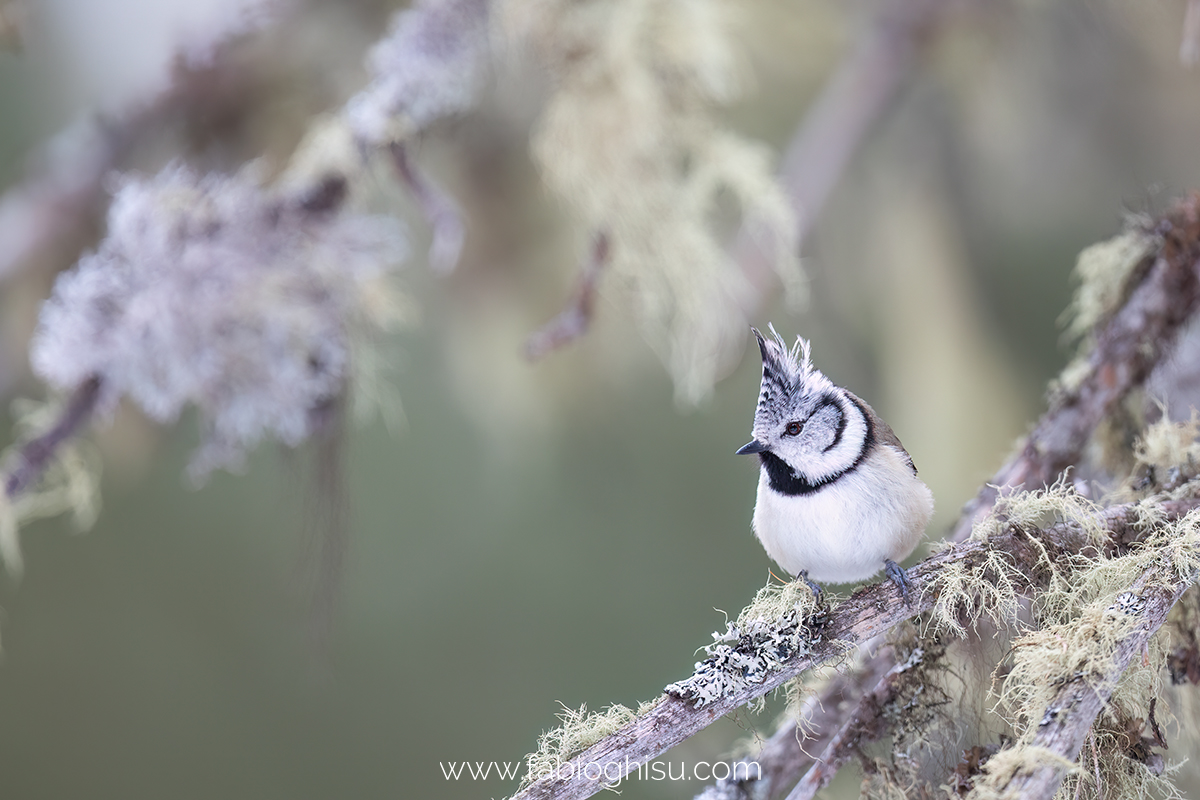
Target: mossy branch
[
  {"x": 794, "y": 747},
  {"x": 1035, "y": 770},
  {"x": 869, "y": 612},
  {"x": 1162, "y": 293},
  {"x": 865, "y": 725}
]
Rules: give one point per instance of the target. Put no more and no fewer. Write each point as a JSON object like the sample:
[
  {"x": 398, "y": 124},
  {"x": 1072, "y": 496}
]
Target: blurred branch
[
  {"x": 866, "y": 724},
  {"x": 443, "y": 214},
  {"x": 1189, "y": 48},
  {"x": 867, "y": 613},
  {"x": 1069, "y": 716},
  {"x": 573, "y": 321},
  {"x": 35, "y": 454},
  {"x": 849, "y": 107},
  {"x": 61, "y": 193}
]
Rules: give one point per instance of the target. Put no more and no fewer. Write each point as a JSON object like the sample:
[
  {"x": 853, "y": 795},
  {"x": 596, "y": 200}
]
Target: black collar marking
[
  {"x": 841, "y": 428},
  {"x": 785, "y": 481}
]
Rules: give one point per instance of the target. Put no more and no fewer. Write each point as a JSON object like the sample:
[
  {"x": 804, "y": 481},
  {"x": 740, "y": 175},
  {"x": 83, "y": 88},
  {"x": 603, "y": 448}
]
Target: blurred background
[{"x": 561, "y": 531}]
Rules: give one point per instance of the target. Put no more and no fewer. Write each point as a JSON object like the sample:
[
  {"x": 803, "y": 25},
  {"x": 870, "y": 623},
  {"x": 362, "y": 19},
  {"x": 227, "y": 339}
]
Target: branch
[
  {"x": 789, "y": 751},
  {"x": 441, "y": 212},
  {"x": 864, "y": 725},
  {"x": 1069, "y": 716},
  {"x": 849, "y": 107},
  {"x": 869, "y": 612},
  {"x": 1133, "y": 340},
  {"x": 66, "y": 180},
  {"x": 573, "y": 321},
  {"x": 36, "y": 454}
]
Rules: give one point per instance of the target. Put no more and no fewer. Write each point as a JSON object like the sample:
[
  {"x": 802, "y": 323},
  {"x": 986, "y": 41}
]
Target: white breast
[{"x": 844, "y": 532}]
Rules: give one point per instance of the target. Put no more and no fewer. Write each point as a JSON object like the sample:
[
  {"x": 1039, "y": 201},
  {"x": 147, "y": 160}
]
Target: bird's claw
[
  {"x": 898, "y": 576},
  {"x": 817, "y": 591}
]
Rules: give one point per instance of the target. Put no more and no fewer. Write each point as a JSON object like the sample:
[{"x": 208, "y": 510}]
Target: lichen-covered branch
[
  {"x": 65, "y": 182},
  {"x": 1150, "y": 297},
  {"x": 792, "y": 749},
  {"x": 827, "y": 635},
  {"x": 1160, "y": 294},
  {"x": 1034, "y": 771},
  {"x": 864, "y": 725}
]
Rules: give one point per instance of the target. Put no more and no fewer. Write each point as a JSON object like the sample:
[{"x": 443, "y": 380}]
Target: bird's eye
[{"x": 793, "y": 429}]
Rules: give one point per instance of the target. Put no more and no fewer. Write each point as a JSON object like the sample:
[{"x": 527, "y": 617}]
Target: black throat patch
[{"x": 785, "y": 481}]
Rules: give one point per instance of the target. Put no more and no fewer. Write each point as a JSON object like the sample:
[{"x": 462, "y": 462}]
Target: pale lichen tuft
[
  {"x": 579, "y": 730},
  {"x": 1103, "y": 272},
  {"x": 630, "y": 140},
  {"x": 218, "y": 292}
]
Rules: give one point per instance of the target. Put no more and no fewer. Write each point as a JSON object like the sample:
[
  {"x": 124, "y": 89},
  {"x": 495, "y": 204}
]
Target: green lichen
[{"x": 1166, "y": 462}]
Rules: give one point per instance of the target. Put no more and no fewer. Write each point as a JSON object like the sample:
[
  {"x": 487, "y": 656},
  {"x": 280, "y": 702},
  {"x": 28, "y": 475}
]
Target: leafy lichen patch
[{"x": 780, "y": 622}]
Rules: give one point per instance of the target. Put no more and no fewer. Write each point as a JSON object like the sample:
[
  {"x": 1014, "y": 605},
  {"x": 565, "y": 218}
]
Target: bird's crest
[{"x": 787, "y": 373}]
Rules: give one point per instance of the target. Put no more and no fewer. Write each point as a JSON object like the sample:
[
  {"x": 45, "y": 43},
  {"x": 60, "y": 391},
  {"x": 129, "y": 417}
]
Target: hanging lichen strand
[{"x": 629, "y": 139}]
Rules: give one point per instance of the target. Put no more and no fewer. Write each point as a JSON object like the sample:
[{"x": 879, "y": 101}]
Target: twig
[
  {"x": 864, "y": 725},
  {"x": 849, "y": 107},
  {"x": 441, "y": 212},
  {"x": 573, "y": 321},
  {"x": 867, "y": 613},
  {"x": 36, "y": 454},
  {"x": 1069, "y": 716}
]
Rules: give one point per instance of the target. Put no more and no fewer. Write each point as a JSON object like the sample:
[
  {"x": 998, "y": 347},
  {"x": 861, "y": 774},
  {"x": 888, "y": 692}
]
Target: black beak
[{"x": 754, "y": 446}]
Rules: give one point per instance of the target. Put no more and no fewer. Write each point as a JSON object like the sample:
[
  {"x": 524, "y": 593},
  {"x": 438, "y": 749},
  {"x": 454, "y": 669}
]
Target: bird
[{"x": 839, "y": 498}]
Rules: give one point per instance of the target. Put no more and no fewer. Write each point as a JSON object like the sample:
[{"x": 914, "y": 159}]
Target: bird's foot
[
  {"x": 898, "y": 576},
  {"x": 817, "y": 591}
]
